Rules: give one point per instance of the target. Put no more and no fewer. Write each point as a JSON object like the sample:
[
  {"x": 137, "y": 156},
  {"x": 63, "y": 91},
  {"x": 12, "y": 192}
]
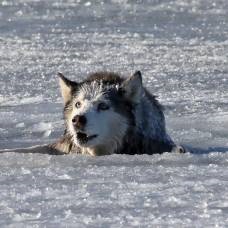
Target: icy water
[{"x": 181, "y": 47}]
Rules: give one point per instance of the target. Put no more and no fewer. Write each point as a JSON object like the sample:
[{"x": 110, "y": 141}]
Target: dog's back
[{"x": 149, "y": 135}]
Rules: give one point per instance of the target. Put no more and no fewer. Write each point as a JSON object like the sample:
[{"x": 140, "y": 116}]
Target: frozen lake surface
[{"x": 181, "y": 47}]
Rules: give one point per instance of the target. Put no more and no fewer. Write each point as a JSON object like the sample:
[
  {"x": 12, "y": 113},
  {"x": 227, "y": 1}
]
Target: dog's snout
[{"x": 79, "y": 121}]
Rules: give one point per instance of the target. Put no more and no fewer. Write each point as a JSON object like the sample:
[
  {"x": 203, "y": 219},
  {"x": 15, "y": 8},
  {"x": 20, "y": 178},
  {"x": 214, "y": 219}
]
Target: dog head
[{"x": 99, "y": 111}]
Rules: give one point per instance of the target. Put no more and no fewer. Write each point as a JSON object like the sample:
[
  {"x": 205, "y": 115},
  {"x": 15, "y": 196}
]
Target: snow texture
[{"x": 181, "y": 47}]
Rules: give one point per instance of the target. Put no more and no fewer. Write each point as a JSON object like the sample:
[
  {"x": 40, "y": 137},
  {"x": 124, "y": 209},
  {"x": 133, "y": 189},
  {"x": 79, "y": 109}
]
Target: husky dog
[{"x": 107, "y": 114}]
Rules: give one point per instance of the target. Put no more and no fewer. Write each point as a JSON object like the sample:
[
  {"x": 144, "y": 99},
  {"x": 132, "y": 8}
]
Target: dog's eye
[
  {"x": 78, "y": 104},
  {"x": 102, "y": 106}
]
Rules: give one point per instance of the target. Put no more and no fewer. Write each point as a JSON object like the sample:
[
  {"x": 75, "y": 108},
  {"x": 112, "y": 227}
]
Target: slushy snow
[{"x": 181, "y": 47}]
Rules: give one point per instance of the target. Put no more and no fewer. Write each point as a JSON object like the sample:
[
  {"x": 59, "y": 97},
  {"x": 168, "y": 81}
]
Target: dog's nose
[{"x": 79, "y": 121}]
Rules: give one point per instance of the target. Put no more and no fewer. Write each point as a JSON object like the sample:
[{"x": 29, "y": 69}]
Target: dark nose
[{"x": 79, "y": 121}]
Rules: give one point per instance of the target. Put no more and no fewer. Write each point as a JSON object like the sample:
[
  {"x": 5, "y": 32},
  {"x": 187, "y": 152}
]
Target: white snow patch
[
  {"x": 41, "y": 127},
  {"x": 20, "y": 125}
]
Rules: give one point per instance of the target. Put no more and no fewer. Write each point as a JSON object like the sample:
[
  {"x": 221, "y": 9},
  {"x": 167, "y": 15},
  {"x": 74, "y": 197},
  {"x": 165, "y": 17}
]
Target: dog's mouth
[{"x": 84, "y": 138}]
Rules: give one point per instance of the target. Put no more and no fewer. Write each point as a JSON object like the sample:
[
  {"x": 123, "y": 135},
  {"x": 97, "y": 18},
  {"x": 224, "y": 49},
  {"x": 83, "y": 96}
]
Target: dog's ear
[
  {"x": 66, "y": 87},
  {"x": 132, "y": 87}
]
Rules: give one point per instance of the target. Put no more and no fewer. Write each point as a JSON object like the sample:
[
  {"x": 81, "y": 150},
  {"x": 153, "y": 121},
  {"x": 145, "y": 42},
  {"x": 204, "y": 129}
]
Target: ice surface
[
  {"x": 181, "y": 47},
  {"x": 114, "y": 191}
]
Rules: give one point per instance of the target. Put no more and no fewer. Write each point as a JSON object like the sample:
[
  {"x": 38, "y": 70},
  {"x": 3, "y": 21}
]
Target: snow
[
  {"x": 117, "y": 191},
  {"x": 181, "y": 47}
]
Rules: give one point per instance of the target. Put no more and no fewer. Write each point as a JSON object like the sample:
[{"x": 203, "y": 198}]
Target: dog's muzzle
[{"x": 79, "y": 121}]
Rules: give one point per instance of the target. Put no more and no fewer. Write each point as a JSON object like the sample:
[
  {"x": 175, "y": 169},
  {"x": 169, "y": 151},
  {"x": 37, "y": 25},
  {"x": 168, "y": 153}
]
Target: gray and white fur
[{"x": 107, "y": 114}]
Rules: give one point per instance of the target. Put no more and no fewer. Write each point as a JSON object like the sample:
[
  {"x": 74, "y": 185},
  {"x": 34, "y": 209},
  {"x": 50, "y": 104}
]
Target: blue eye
[
  {"x": 102, "y": 106},
  {"x": 78, "y": 104}
]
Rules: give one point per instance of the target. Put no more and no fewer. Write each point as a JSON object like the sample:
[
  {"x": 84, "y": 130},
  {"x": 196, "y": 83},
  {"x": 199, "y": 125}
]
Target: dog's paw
[{"x": 178, "y": 149}]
